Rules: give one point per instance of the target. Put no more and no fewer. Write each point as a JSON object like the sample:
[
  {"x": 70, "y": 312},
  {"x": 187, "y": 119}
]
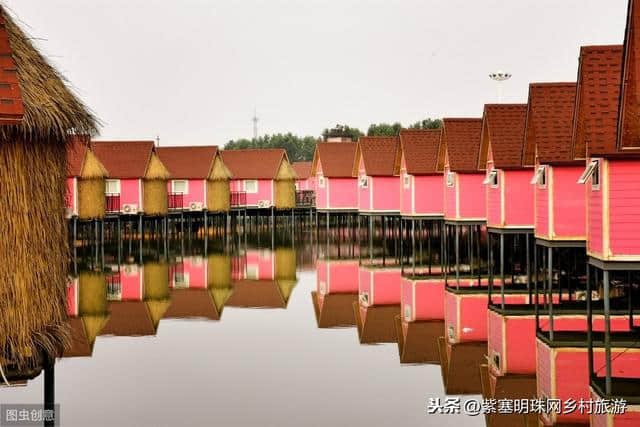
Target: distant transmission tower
[{"x": 255, "y": 124}]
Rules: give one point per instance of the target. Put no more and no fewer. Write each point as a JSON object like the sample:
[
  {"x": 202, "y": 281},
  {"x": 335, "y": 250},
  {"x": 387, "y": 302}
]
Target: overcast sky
[{"x": 192, "y": 71}]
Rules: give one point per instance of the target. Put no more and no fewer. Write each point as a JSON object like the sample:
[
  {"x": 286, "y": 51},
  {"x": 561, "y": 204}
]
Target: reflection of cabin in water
[
  {"x": 378, "y": 303},
  {"x": 137, "y": 182},
  {"x": 139, "y": 297},
  {"x": 87, "y": 307},
  {"x": 200, "y": 286},
  {"x": 269, "y": 279},
  {"x": 336, "y": 291},
  {"x": 85, "y": 197},
  {"x": 199, "y": 179}
]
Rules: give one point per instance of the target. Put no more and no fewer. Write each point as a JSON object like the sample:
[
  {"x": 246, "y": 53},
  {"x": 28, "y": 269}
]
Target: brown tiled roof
[
  {"x": 550, "y": 123},
  {"x": 124, "y": 159},
  {"x": 420, "y": 344},
  {"x": 129, "y": 318},
  {"x": 253, "y": 163},
  {"x": 256, "y": 293},
  {"x": 629, "y": 122},
  {"x": 597, "y": 100},
  {"x": 380, "y": 154},
  {"x": 337, "y": 158},
  {"x": 188, "y": 162},
  {"x": 462, "y": 141},
  {"x": 503, "y": 130},
  {"x": 76, "y": 152},
  {"x": 191, "y": 303},
  {"x": 11, "y": 106},
  {"x": 302, "y": 169},
  {"x": 375, "y": 323},
  {"x": 420, "y": 148}
]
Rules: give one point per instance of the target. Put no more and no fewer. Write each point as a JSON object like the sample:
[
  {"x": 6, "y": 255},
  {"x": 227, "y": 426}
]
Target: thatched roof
[
  {"x": 82, "y": 162},
  {"x": 35, "y": 101}
]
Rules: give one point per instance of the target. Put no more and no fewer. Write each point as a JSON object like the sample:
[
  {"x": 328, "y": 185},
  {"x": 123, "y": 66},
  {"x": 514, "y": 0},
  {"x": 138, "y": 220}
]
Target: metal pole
[
  {"x": 413, "y": 244},
  {"x": 49, "y": 390},
  {"x": 607, "y": 332},
  {"x": 550, "y": 279},
  {"x": 502, "y": 285},
  {"x": 457, "y": 256},
  {"x": 528, "y": 260},
  {"x": 589, "y": 323}
]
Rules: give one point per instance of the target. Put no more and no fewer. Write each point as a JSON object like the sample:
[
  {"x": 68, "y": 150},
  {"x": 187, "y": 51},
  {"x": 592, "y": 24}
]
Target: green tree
[
  {"x": 427, "y": 123},
  {"x": 384, "y": 129},
  {"x": 297, "y": 148},
  {"x": 342, "y": 131}
]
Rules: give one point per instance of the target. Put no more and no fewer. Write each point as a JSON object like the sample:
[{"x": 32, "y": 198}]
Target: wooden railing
[
  {"x": 176, "y": 200},
  {"x": 112, "y": 203},
  {"x": 305, "y": 198},
  {"x": 238, "y": 199}
]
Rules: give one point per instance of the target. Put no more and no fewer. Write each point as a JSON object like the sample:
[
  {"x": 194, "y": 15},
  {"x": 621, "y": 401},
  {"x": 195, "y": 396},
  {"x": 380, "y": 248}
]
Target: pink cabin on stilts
[
  {"x": 336, "y": 291},
  {"x": 421, "y": 173},
  {"x": 509, "y": 195},
  {"x": 378, "y": 160},
  {"x": 335, "y": 171},
  {"x": 464, "y": 193},
  {"x": 199, "y": 179}
]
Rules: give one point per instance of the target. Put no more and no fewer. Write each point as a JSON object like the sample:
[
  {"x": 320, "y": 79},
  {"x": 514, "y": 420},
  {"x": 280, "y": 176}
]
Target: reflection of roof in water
[
  {"x": 418, "y": 341},
  {"x": 334, "y": 310},
  {"x": 129, "y": 318},
  {"x": 375, "y": 324},
  {"x": 260, "y": 293},
  {"x": 197, "y": 303},
  {"x": 84, "y": 331},
  {"x": 460, "y": 366}
]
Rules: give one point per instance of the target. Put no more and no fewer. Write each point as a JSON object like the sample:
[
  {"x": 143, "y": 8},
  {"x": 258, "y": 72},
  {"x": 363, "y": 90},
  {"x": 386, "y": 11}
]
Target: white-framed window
[
  {"x": 180, "y": 186},
  {"x": 364, "y": 181},
  {"x": 112, "y": 186},
  {"x": 180, "y": 279},
  {"x": 251, "y": 185},
  {"x": 321, "y": 181},
  {"x": 451, "y": 179},
  {"x": 540, "y": 177},
  {"x": 491, "y": 178},
  {"x": 297, "y": 185},
  {"x": 592, "y": 171},
  {"x": 407, "y": 181}
]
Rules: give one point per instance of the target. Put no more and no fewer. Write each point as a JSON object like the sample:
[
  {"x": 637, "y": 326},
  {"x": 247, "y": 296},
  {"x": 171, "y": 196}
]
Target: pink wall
[
  {"x": 338, "y": 193},
  {"x": 494, "y": 200},
  {"x": 131, "y": 282},
  {"x": 542, "y": 209},
  {"x": 624, "y": 207},
  {"x": 306, "y": 184},
  {"x": 473, "y": 202},
  {"x": 386, "y": 193},
  {"x": 423, "y": 197},
  {"x": 195, "y": 194},
  {"x": 364, "y": 194},
  {"x": 265, "y": 191},
  {"x": 69, "y": 196},
  {"x": 195, "y": 268},
  {"x": 450, "y": 205},
  {"x": 342, "y": 277},
  {"x": 569, "y": 211},
  {"x": 424, "y": 297},
  {"x": 263, "y": 261},
  {"x": 594, "y": 219},
  {"x": 130, "y": 192},
  {"x": 72, "y": 297},
  {"x": 519, "y": 198},
  {"x": 383, "y": 286},
  {"x": 429, "y": 197}
]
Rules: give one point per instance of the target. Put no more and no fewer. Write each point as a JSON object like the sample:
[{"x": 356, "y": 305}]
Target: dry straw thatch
[
  {"x": 33, "y": 250},
  {"x": 285, "y": 186},
  {"x": 218, "y": 192},
  {"x": 155, "y": 187}
]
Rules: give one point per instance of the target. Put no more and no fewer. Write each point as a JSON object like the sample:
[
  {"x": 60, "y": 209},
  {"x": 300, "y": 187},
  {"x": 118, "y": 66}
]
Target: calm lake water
[{"x": 252, "y": 367}]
